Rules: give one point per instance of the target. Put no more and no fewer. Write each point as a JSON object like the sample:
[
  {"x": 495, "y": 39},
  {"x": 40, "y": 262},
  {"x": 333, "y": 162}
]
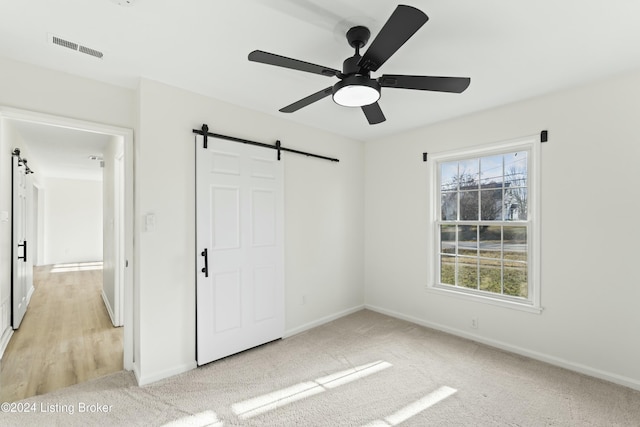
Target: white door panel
[
  {"x": 240, "y": 228},
  {"x": 22, "y": 274},
  {"x": 225, "y": 212}
]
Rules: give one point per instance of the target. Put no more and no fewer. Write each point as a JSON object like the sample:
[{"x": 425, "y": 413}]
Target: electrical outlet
[
  {"x": 303, "y": 300},
  {"x": 474, "y": 323}
]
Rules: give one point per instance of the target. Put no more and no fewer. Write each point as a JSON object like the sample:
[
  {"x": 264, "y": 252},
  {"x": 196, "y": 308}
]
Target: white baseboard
[
  {"x": 322, "y": 321},
  {"x": 552, "y": 360},
  {"x": 30, "y": 294},
  {"x": 157, "y": 376},
  {"x": 109, "y": 309},
  {"x": 148, "y": 379},
  {"x": 136, "y": 372}
]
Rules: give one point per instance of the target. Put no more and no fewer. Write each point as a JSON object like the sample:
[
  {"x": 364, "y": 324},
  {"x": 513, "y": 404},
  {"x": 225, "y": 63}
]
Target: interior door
[
  {"x": 119, "y": 220},
  {"x": 22, "y": 267},
  {"x": 240, "y": 248}
]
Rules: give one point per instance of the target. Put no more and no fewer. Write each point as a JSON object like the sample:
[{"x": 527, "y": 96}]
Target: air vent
[
  {"x": 90, "y": 51},
  {"x": 64, "y": 43},
  {"x": 74, "y": 46}
]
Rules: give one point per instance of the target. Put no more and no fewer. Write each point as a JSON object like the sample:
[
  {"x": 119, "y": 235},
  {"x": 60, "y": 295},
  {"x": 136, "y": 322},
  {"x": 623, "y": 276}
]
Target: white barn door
[
  {"x": 240, "y": 248},
  {"x": 22, "y": 274}
]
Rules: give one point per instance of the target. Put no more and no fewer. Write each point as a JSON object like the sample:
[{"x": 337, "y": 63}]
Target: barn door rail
[{"x": 204, "y": 131}]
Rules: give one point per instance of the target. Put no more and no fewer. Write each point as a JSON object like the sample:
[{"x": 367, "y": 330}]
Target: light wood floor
[{"x": 65, "y": 338}]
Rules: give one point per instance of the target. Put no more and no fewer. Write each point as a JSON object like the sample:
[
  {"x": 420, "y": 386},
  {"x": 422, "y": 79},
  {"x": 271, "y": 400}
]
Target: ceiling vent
[{"x": 75, "y": 46}]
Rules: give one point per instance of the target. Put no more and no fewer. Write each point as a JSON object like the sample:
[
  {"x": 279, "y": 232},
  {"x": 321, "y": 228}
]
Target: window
[{"x": 486, "y": 223}]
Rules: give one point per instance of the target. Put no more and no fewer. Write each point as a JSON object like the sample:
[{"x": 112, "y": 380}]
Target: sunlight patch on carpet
[
  {"x": 267, "y": 402},
  {"x": 206, "y": 418},
  {"x": 414, "y": 408}
]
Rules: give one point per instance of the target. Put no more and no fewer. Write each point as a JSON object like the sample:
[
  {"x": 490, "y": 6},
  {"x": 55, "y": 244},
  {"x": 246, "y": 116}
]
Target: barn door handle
[
  {"x": 205, "y": 269},
  {"x": 24, "y": 253}
]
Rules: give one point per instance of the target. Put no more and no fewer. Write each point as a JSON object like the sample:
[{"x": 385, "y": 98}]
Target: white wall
[
  {"x": 38, "y": 225},
  {"x": 589, "y": 229},
  {"x": 72, "y": 220},
  {"x": 323, "y": 214},
  {"x": 38, "y": 89}
]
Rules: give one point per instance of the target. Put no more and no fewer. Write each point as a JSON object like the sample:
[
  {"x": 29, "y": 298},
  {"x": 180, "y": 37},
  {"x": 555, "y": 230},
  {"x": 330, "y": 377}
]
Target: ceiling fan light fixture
[
  {"x": 356, "y": 87},
  {"x": 356, "y": 91}
]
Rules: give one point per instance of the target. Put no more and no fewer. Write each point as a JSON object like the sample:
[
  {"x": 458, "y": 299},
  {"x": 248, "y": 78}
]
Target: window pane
[
  {"x": 515, "y": 281},
  {"x": 515, "y": 169},
  {"x": 515, "y": 244},
  {"x": 516, "y": 204},
  {"x": 449, "y": 176},
  {"x": 448, "y": 239},
  {"x": 491, "y": 171},
  {"x": 468, "y": 240},
  {"x": 469, "y": 205},
  {"x": 491, "y": 275},
  {"x": 491, "y": 205},
  {"x": 447, "y": 270},
  {"x": 491, "y": 241},
  {"x": 468, "y": 174},
  {"x": 468, "y": 272},
  {"x": 449, "y": 206}
]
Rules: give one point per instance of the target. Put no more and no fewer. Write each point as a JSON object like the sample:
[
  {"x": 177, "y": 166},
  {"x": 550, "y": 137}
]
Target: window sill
[{"x": 485, "y": 299}]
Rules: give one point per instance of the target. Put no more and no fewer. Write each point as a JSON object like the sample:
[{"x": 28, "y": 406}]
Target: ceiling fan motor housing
[{"x": 350, "y": 66}]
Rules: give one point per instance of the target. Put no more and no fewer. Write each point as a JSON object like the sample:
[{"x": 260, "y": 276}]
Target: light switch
[
  {"x": 150, "y": 222},
  {"x": 4, "y": 216}
]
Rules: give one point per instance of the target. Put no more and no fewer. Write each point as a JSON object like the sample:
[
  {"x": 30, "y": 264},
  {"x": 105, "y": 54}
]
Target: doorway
[{"x": 117, "y": 226}]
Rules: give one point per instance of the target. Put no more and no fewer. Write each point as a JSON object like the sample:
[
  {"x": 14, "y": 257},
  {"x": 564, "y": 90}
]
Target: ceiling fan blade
[
  {"x": 374, "y": 113},
  {"x": 306, "y": 101},
  {"x": 401, "y": 25},
  {"x": 294, "y": 64},
  {"x": 438, "y": 84}
]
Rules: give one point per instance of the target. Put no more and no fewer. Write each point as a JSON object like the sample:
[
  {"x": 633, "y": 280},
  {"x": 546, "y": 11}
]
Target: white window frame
[{"x": 531, "y": 144}]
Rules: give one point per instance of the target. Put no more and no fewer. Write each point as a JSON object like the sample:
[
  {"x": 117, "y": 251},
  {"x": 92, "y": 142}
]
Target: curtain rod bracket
[{"x": 544, "y": 136}]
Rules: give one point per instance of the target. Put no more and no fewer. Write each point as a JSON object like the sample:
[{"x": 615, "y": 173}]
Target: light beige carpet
[{"x": 362, "y": 370}]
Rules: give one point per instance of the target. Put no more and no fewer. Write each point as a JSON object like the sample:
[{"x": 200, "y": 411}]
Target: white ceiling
[
  {"x": 511, "y": 50},
  {"x": 61, "y": 152}
]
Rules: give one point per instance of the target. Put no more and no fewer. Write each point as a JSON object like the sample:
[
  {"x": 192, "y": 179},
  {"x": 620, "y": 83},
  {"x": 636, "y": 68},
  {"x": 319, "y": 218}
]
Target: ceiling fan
[{"x": 356, "y": 87}]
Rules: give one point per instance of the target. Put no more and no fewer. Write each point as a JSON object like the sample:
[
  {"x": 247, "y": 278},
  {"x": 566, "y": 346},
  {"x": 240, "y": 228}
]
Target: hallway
[{"x": 66, "y": 336}]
